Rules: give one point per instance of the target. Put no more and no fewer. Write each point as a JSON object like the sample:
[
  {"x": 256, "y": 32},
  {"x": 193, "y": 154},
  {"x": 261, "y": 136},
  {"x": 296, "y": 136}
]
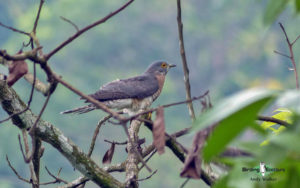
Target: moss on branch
[{"x": 47, "y": 132}]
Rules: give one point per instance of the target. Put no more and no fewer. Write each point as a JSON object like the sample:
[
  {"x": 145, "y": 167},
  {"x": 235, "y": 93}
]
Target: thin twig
[
  {"x": 185, "y": 182},
  {"x": 40, "y": 115},
  {"x": 37, "y": 16},
  {"x": 282, "y": 54},
  {"x": 146, "y": 178},
  {"x": 57, "y": 179},
  {"x": 274, "y": 120},
  {"x": 166, "y": 106},
  {"x": 184, "y": 61},
  {"x": 295, "y": 40},
  {"x": 25, "y": 140},
  {"x": 70, "y": 22},
  {"x": 150, "y": 156},
  {"x": 16, "y": 173},
  {"x": 70, "y": 39},
  {"x": 14, "y": 29},
  {"x": 292, "y": 58},
  {"x": 96, "y": 132},
  {"x": 75, "y": 183},
  {"x": 32, "y": 133}
]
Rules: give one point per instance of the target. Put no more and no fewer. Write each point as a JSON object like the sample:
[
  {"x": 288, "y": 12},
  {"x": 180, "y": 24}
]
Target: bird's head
[{"x": 159, "y": 67}]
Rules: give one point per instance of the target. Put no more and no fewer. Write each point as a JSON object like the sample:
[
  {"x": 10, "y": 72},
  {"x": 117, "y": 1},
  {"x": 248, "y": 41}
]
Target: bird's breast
[{"x": 161, "y": 80}]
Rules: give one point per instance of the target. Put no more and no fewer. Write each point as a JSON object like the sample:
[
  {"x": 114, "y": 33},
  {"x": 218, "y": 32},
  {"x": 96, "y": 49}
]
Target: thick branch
[
  {"x": 132, "y": 159},
  {"x": 11, "y": 103}
]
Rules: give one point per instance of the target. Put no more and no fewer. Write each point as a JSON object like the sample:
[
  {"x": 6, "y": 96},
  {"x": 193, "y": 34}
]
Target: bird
[{"x": 131, "y": 95}]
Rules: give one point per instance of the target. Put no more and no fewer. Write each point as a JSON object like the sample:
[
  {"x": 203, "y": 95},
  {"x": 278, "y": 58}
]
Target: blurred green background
[{"x": 228, "y": 48}]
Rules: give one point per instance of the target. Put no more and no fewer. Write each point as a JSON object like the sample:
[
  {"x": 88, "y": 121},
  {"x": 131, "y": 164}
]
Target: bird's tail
[{"x": 80, "y": 110}]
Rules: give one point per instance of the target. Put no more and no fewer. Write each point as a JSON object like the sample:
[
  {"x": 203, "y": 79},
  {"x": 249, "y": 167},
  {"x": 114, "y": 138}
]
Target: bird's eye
[{"x": 164, "y": 65}]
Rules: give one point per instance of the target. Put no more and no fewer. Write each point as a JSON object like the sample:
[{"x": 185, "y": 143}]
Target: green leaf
[
  {"x": 273, "y": 10},
  {"x": 234, "y": 114},
  {"x": 230, "y": 106},
  {"x": 297, "y": 5},
  {"x": 230, "y": 127}
]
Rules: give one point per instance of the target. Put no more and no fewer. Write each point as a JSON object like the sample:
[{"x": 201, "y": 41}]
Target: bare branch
[
  {"x": 50, "y": 134},
  {"x": 14, "y": 29},
  {"x": 39, "y": 85},
  {"x": 96, "y": 132},
  {"x": 150, "y": 156},
  {"x": 166, "y": 106},
  {"x": 69, "y": 40},
  {"x": 282, "y": 54},
  {"x": 75, "y": 183},
  {"x": 37, "y": 16},
  {"x": 295, "y": 40},
  {"x": 57, "y": 179},
  {"x": 31, "y": 131},
  {"x": 16, "y": 173},
  {"x": 185, "y": 182},
  {"x": 146, "y": 178},
  {"x": 70, "y": 22},
  {"x": 292, "y": 58},
  {"x": 184, "y": 61}
]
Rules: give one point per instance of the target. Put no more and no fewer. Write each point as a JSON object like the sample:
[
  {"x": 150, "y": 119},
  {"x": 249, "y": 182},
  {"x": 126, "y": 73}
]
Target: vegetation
[{"x": 229, "y": 47}]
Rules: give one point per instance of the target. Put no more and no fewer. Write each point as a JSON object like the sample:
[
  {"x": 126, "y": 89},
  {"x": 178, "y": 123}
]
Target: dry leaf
[
  {"x": 109, "y": 154},
  {"x": 192, "y": 163},
  {"x": 159, "y": 131},
  {"x": 16, "y": 69}
]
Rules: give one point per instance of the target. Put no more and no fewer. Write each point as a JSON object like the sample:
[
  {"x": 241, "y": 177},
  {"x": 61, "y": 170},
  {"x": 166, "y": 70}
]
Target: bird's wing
[{"x": 137, "y": 87}]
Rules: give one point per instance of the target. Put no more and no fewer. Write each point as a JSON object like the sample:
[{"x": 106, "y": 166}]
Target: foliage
[
  {"x": 281, "y": 152},
  {"x": 276, "y": 7}
]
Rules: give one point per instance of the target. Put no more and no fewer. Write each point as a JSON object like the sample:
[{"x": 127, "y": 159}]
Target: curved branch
[
  {"x": 81, "y": 31},
  {"x": 274, "y": 120}
]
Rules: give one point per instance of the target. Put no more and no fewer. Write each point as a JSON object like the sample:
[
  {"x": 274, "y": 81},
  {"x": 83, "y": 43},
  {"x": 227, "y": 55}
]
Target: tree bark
[{"x": 47, "y": 132}]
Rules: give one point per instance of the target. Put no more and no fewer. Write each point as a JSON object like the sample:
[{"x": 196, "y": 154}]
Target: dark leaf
[
  {"x": 192, "y": 163},
  {"x": 17, "y": 69},
  {"x": 109, "y": 154},
  {"x": 159, "y": 131}
]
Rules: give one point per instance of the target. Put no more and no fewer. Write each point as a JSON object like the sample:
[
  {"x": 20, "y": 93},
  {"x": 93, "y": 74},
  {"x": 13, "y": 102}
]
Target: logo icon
[{"x": 262, "y": 168}]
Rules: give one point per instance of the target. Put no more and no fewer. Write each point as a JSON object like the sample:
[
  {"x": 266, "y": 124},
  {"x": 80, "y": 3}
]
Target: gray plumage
[
  {"x": 123, "y": 93},
  {"x": 128, "y": 88}
]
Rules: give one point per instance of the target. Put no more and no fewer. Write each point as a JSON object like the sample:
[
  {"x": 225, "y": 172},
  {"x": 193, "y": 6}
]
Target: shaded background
[{"x": 228, "y": 48}]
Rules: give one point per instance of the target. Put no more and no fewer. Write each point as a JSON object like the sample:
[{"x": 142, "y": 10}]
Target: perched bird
[{"x": 130, "y": 95}]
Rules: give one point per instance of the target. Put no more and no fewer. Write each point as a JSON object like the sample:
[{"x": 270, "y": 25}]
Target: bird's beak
[{"x": 172, "y": 65}]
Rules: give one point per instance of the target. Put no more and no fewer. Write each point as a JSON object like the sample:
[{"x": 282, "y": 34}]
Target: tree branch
[
  {"x": 184, "y": 61},
  {"x": 81, "y": 31},
  {"x": 274, "y": 120},
  {"x": 11, "y": 103},
  {"x": 291, "y": 57}
]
